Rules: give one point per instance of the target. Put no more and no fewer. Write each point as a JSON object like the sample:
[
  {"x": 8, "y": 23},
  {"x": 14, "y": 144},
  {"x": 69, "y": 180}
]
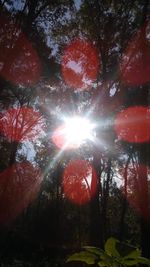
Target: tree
[{"x": 60, "y": 59}]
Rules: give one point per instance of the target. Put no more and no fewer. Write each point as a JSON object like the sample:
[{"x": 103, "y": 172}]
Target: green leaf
[
  {"x": 108, "y": 262},
  {"x": 110, "y": 247},
  {"x": 83, "y": 256},
  {"x": 124, "y": 248},
  {"x": 130, "y": 262},
  {"x": 102, "y": 263},
  {"x": 107, "y": 259},
  {"x": 94, "y": 250},
  {"x": 143, "y": 260},
  {"x": 133, "y": 254}
]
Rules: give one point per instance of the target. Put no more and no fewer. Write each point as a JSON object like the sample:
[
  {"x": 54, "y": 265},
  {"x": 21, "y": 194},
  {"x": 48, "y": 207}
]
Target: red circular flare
[
  {"x": 135, "y": 64},
  {"x": 80, "y": 64},
  {"x": 137, "y": 191},
  {"x": 79, "y": 181},
  {"x": 19, "y": 61},
  {"x": 59, "y": 138},
  {"x": 21, "y": 124},
  {"x": 133, "y": 124},
  {"x": 19, "y": 185}
]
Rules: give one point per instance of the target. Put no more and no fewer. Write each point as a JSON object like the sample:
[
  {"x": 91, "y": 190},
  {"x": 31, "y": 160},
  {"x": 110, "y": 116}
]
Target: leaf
[
  {"x": 124, "y": 248},
  {"x": 133, "y": 254},
  {"x": 110, "y": 247},
  {"x": 107, "y": 259},
  {"x": 94, "y": 250},
  {"x": 134, "y": 258},
  {"x": 130, "y": 262},
  {"x": 83, "y": 256},
  {"x": 143, "y": 260},
  {"x": 102, "y": 263}
]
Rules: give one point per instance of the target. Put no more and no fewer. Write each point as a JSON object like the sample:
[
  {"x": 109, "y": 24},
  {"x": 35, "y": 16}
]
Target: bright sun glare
[{"x": 77, "y": 129}]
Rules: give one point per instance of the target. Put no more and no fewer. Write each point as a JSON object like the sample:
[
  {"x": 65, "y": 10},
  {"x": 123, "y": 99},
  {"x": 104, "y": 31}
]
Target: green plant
[{"x": 115, "y": 254}]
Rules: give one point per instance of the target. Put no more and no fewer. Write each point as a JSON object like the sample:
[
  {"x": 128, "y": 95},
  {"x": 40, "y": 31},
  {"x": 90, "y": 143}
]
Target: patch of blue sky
[
  {"x": 78, "y": 4},
  {"x": 49, "y": 26},
  {"x": 27, "y": 151},
  {"x": 16, "y": 5}
]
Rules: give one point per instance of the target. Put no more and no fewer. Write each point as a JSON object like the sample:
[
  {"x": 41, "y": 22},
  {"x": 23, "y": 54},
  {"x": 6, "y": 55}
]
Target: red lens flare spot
[
  {"x": 19, "y": 61},
  {"x": 80, "y": 63},
  {"x": 137, "y": 192},
  {"x": 79, "y": 181},
  {"x": 133, "y": 124},
  {"x": 135, "y": 64},
  {"x": 21, "y": 124},
  {"x": 19, "y": 185}
]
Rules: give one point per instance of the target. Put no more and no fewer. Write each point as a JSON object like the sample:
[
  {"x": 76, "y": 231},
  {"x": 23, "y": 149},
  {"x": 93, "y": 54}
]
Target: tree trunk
[
  {"x": 14, "y": 147},
  {"x": 144, "y": 199},
  {"x": 105, "y": 199},
  {"x": 124, "y": 204},
  {"x": 96, "y": 233}
]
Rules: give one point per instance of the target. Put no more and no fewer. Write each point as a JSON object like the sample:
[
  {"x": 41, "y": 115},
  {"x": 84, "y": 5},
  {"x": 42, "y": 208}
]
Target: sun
[
  {"x": 77, "y": 130},
  {"x": 73, "y": 132}
]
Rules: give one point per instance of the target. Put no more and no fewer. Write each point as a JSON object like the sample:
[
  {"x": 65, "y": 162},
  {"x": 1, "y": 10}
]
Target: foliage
[
  {"x": 111, "y": 256},
  {"x": 33, "y": 38}
]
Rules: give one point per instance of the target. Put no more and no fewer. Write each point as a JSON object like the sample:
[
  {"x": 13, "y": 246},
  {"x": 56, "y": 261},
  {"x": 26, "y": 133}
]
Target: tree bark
[
  {"x": 96, "y": 233},
  {"x": 14, "y": 148}
]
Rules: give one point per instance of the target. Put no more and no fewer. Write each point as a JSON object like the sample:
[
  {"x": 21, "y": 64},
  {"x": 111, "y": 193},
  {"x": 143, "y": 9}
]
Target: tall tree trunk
[
  {"x": 144, "y": 199},
  {"x": 124, "y": 204},
  {"x": 96, "y": 234},
  {"x": 14, "y": 147},
  {"x": 144, "y": 156},
  {"x": 105, "y": 199},
  {"x": 145, "y": 237}
]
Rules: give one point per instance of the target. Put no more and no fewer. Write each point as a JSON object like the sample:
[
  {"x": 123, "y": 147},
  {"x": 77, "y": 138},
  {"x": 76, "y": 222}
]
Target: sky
[{"x": 78, "y": 4}]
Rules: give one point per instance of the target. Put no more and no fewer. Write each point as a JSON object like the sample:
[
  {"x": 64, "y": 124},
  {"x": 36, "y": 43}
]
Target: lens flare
[
  {"x": 133, "y": 124},
  {"x": 73, "y": 133},
  {"x": 79, "y": 181},
  {"x": 21, "y": 124},
  {"x": 20, "y": 184},
  {"x": 20, "y": 63},
  {"x": 135, "y": 63},
  {"x": 80, "y": 63}
]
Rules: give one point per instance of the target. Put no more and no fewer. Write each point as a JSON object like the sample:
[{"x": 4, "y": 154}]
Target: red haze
[
  {"x": 80, "y": 64},
  {"x": 135, "y": 64},
  {"x": 19, "y": 185},
  {"x": 20, "y": 124},
  {"x": 79, "y": 181},
  {"x": 133, "y": 124},
  {"x": 20, "y": 63}
]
